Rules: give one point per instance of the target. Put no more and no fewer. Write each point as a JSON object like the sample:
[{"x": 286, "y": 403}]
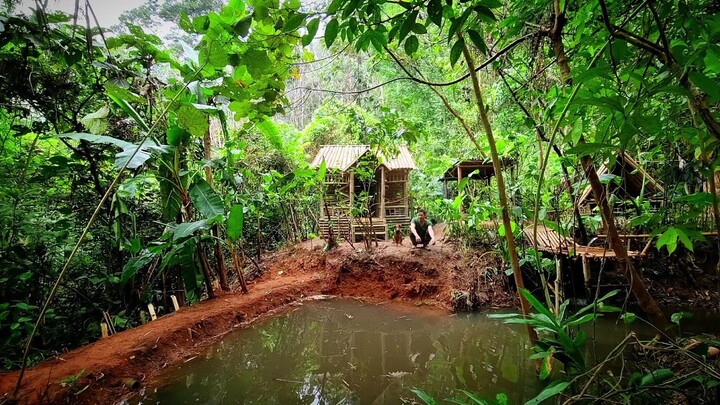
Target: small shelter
[
  {"x": 473, "y": 169},
  {"x": 633, "y": 182},
  {"x": 385, "y": 190}
]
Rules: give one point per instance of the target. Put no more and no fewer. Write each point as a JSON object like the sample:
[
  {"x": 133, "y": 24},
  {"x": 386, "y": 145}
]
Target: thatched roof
[
  {"x": 343, "y": 157},
  {"x": 632, "y": 179}
]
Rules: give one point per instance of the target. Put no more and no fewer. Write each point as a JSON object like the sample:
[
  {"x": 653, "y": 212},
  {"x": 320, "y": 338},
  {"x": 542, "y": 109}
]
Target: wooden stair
[{"x": 378, "y": 229}]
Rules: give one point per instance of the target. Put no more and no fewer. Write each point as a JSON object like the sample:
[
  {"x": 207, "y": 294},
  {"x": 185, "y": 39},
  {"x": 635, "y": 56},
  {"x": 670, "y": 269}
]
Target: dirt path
[{"x": 117, "y": 366}]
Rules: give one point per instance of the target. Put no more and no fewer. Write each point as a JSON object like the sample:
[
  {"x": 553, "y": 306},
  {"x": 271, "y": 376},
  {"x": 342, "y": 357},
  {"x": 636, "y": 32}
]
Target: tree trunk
[
  {"x": 219, "y": 257},
  {"x": 635, "y": 279},
  {"x": 716, "y": 215},
  {"x": 205, "y": 265},
  {"x": 238, "y": 263},
  {"x": 509, "y": 236}
]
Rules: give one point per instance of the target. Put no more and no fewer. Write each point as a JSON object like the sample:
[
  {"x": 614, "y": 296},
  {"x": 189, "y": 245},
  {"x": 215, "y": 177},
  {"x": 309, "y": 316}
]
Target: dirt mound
[{"x": 113, "y": 368}]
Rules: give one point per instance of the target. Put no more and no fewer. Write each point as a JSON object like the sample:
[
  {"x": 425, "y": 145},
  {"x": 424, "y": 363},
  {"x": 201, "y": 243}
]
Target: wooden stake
[
  {"x": 586, "y": 271},
  {"x": 558, "y": 284},
  {"x": 151, "y": 309},
  {"x": 175, "y": 303},
  {"x": 104, "y": 330}
]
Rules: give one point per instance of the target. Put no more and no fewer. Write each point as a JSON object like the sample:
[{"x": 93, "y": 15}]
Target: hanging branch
[
  {"x": 410, "y": 77},
  {"x": 697, "y": 98},
  {"x": 450, "y": 108}
]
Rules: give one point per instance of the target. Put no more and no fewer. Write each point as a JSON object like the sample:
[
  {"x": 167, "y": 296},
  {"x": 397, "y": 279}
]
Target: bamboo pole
[{"x": 509, "y": 236}]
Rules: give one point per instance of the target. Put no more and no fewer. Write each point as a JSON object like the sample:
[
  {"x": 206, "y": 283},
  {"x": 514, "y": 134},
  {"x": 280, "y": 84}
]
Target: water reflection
[{"x": 345, "y": 352}]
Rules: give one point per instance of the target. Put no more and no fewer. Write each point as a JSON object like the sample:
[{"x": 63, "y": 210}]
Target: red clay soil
[{"x": 116, "y": 367}]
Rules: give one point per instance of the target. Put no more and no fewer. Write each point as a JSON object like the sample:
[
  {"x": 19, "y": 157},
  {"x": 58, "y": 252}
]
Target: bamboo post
[
  {"x": 351, "y": 186},
  {"x": 586, "y": 271},
  {"x": 104, "y": 330},
  {"x": 351, "y": 190},
  {"x": 558, "y": 283},
  {"x": 151, "y": 309},
  {"x": 175, "y": 303},
  {"x": 382, "y": 192}
]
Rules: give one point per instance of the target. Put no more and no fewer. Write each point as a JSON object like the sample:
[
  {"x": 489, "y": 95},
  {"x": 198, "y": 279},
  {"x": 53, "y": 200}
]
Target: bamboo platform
[{"x": 552, "y": 242}]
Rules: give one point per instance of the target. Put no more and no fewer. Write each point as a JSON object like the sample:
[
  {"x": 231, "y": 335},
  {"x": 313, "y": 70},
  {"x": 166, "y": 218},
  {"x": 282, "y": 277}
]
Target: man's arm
[
  {"x": 412, "y": 229},
  {"x": 432, "y": 234}
]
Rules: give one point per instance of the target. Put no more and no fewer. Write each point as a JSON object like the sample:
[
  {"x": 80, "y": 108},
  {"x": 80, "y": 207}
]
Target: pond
[{"x": 350, "y": 352}]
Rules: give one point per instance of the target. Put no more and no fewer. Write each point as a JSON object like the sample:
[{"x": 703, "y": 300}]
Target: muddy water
[{"x": 343, "y": 352}]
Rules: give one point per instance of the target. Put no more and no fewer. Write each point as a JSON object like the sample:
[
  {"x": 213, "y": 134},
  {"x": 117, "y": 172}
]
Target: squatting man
[{"x": 421, "y": 231}]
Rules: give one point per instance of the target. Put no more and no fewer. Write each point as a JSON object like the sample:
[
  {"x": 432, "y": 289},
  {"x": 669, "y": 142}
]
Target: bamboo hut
[
  {"x": 473, "y": 169},
  {"x": 385, "y": 190}
]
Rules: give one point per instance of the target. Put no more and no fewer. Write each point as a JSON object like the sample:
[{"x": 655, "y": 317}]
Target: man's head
[{"x": 421, "y": 214}]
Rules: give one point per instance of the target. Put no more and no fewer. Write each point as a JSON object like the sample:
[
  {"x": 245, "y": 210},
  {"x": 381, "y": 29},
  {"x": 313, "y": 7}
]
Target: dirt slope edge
[{"x": 117, "y": 366}]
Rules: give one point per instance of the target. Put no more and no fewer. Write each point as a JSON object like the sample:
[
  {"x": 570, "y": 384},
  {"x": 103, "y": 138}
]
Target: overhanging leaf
[
  {"x": 96, "y": 122},
  {"x": 128, "y": 149},
  {"x": 478, "y": 41},
  {"x": 456, "y": 51},
  {"x": 193, "y": 120},
  {"x": 188, "y": 228},
  {"x": 134, "y": 265},
  {"x": 411, "y": 45},
  {"x": 125, "y": 106},
  {"x": 235, "y": 222},
  {"x": 206, "y": 200},
  {"x": 331, "y": 32},
  {"x": 271, "y": 132}
]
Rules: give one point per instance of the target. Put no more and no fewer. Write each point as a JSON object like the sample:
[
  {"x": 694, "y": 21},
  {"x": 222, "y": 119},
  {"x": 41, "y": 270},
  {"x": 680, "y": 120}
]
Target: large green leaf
[
  {"x": 235, "y": 222},
  {"x": 136, "y": 155},
  {"x": 478, "y": 41},
  {"x": 294, "y": 22},
  {"x": 456, "y": 51},
  {"x": 427, "y": 399},
  {"x": 407, "y": 25},
  {"x": 128, "y": 149},
  {"x": 537, "y": 304},
  {"x": 706, "y": 84},
  {"x": 117, "y": 97},
  {"x": 134, "y": 265},
  {"x": 183, "y": 255},
  {"x": 97, "y": 122},
  {"x": 312, "y": 28},
  {"x": 206, "y": 200},
  {"x": 331, "y": 32},
  {"x": 193, "y": 120},
  {"x": 411, "y": 45},
  {"x": 186, "y": 229},
  {"x": 271, "y": 132},
  {"x": 550, "y": 391},
  {"x": 656, "y": 377}
]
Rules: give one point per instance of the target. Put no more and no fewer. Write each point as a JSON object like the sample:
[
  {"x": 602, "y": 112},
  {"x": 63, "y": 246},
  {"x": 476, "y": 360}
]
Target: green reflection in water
[{"x": 332, "y": 352}]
